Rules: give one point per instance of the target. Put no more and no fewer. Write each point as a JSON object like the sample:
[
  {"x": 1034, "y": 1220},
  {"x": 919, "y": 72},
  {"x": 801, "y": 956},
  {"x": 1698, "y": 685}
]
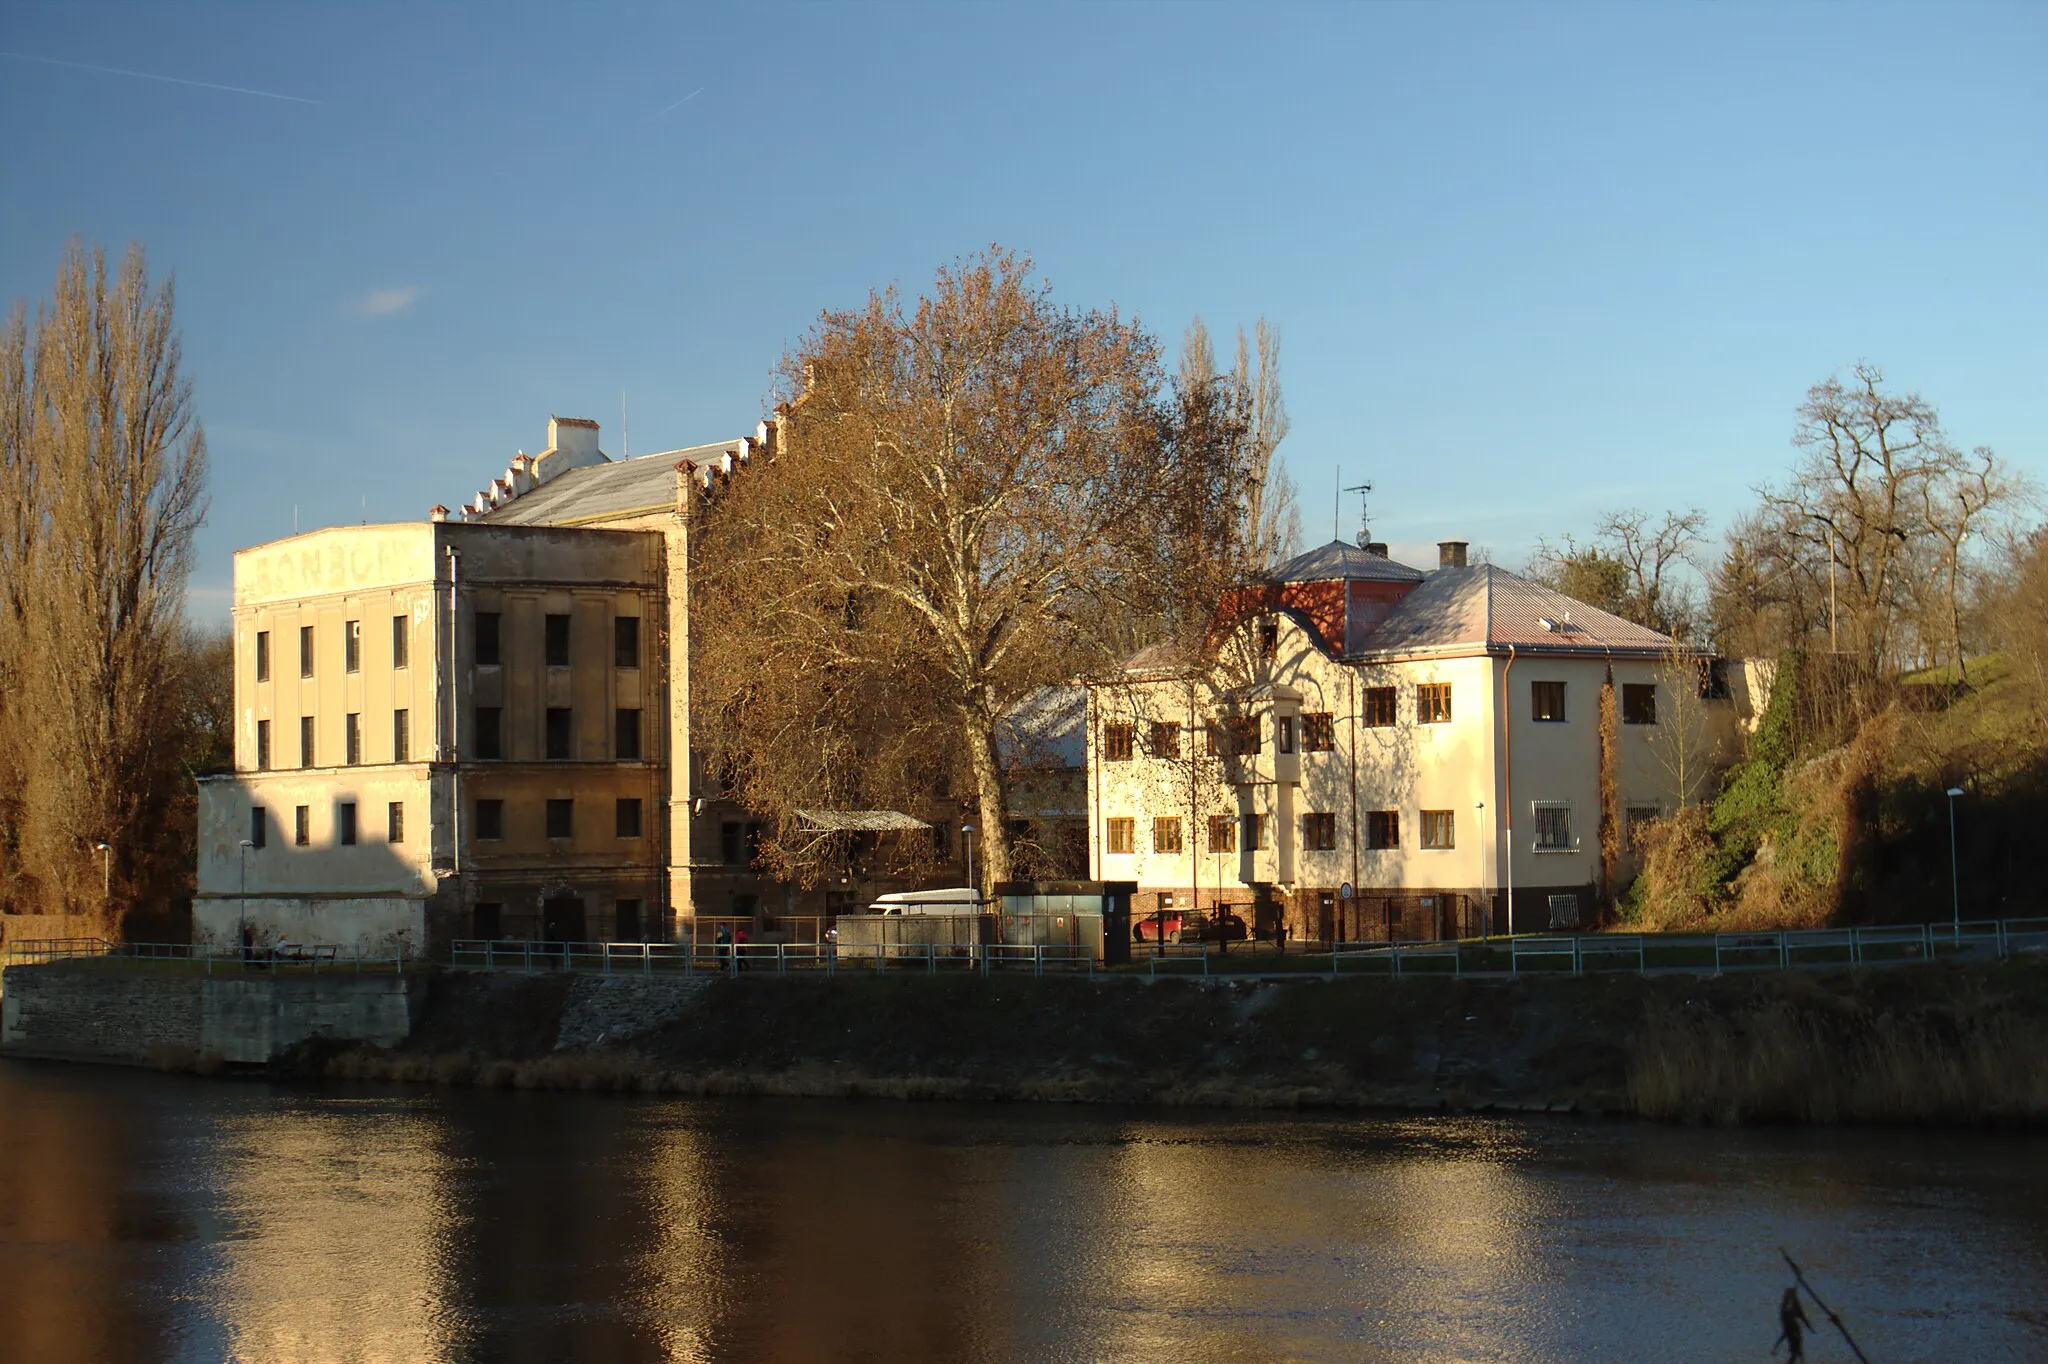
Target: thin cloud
[
  {"x": 679, "y": 103},
  {"x": 385, "y": 302},
  {"x": 152, "y": 76}
]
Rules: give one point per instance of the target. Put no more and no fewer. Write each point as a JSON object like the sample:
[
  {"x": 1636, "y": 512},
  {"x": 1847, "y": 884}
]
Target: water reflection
[{"x": 149, "y": 1217}]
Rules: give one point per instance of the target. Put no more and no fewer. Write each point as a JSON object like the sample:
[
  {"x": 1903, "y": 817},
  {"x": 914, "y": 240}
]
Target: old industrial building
[
  {"x": 478, "y": 725},
  {"x": 1367, "y": 751}
]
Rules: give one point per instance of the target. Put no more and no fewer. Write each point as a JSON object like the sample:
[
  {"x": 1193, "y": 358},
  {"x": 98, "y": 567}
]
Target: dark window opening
[
  {"x": 1546, "y": 701},
  {"x": 1222, "y": 833},
  {"x": 394, "y": 822},
  {"x": 626, "y": 641},
  {"x": 557, "y": 641},
  {"x": 1283, "y": 733},
  {"x": 487, "y": 641},
  {"x": 401, "y": 736},
  {"x": 488, "y": 920},
  {"x": 489, "y": 740},
  {"x": 1318, "y": 732},
  {"x": 1319, "y": 832},
  {"x": 351, "y": 646},
  {"x": 259, "y": 827},
  {"x": 305, "y": 741},
  {"x": 347, "y": 812},
  {"x": 352, "y": 734},
  {"x": 263, "y": 744},
  {"x": 626, "y": 922},
  {"x": 401, "y": 642},
  {"x": 1165, "y": 739},
  {"x": 263, "y": 655},
  {"x": 305, "y": 651},
  {"x": 561, "y": 819},
  {"x": 558, "y": 732},
  {"x": 1639, "y": 703},
  {"x": 302, "y": 826},
  {"x": 626, "y": 741},
  {"x": 1269, "y": 637},
  {"x": 628, "y": 818},
  {"x": 1117, "y": 743},
  {"x": 1382, "y": 829},
  {"x": 729, "y": 835},
  {"x": 490, "y": 819}
]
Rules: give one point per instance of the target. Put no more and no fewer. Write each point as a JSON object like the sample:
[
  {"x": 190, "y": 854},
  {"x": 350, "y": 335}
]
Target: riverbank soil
[{"x": 1936, "y": 1043}]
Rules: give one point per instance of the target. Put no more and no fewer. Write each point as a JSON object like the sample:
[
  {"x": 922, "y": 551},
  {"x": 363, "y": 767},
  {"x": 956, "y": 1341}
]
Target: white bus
[{"x": 956, "y": 900}]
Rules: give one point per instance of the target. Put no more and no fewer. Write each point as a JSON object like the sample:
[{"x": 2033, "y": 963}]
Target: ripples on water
[{"x": 149, "y": 1217}]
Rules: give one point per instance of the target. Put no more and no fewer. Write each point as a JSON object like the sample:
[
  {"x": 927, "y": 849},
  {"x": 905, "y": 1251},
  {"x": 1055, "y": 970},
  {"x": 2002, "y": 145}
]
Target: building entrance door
[{"x": 562, "y": 920}]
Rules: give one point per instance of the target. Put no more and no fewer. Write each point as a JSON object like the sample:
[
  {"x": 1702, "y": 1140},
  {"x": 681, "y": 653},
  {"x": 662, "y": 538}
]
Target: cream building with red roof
[{"x": 1373, "y": 751}]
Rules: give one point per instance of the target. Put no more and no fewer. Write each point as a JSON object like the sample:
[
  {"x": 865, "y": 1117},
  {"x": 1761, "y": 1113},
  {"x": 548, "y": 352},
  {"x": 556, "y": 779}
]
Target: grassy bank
[{"x": 1949, "y": 1043}]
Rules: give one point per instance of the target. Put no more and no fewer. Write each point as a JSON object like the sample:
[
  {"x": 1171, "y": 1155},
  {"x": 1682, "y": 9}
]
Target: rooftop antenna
[
  {"x": 625, "y": 427},
  {"x": 1337, "y": 504},
  {"x": 1364, "y": 518}
]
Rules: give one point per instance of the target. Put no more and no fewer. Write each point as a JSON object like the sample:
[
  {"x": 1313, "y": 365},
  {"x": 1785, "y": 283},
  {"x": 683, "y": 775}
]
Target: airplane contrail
[
  {"x": 152, "y": 76},
  {"x": 679, "y": 103}
]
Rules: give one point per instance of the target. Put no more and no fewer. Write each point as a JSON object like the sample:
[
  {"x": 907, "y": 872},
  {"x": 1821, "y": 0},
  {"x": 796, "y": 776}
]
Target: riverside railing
[
  {"x": 310, "y": 958},
  {"x": 829, "y": 958}
]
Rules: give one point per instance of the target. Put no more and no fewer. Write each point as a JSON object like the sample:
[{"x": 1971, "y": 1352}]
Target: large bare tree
[
  {"x": 973, "y": 493},
  {"x": 102, "y": 485}
]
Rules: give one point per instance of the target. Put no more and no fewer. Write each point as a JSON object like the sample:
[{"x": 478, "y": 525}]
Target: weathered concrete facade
[{"x": 445, "y": 728}]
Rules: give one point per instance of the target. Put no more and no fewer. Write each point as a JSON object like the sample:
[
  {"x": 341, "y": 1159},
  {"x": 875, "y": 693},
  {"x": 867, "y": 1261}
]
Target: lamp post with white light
[
  {"x": 106, "y": 852},
  {"x": 242, "y": 906},
  {"x": 1955, "y": 876},
  {"x": 967, "y": 833}
]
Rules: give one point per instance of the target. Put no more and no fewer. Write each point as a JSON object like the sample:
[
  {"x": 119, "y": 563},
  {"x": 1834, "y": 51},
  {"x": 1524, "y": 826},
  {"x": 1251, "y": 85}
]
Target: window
[
  {"x": 1222, "y": 833},
  {"x": 1165, "y": 739},
  {"x": 1283, "y": 733},
  {"x": 1319, "y": 832},
  {"x": 401, "y": 642},
  {"x": 1166, "y": 836},
  {"x": 305, "y": 651},
  {"x": 626, "y": 921},
  {"x": 1383, "y": 829},
  {"x": 259, "y": 827},
  {"x": 1120, "y": 834},
  {"x": 345, "y": 814},
  {"x": 1564, "y": 910},
  {"x": 1116, "y": 743},
  {"x": 352, "y": 736},
  {"x": 351, "y": 646},
  {"x": 487, "y": 644},
  {"x": 1258, "y": 832},
  {"x": 626, "y": 734},
  {"x": 1639, "y": 819},
  {"x": 557, "y": 641},
  {"x": 394, "y": 822},
  {"x": 302, "y": 826},
  {"x": 1546, "y": 701},
  {"x": 263, "y": 744},
  {"x": 729, "y": 843},
  {"x": 753, "y": 840},
  {"x": 1433, "y": 703},
  {"x": 305, "y": 741},
  {"x": 1553, "y": 827},
  {"x": 1245, "y": 735},
  {"x": 1212, "y": 739},
  {"x": 626, "y": 641},
  {"x": 401, "y": 735},
  {"x": 561, "y": 819},
  {"x": 1376, "y": 707},
  {"x": 490, "y": 819},
  {"x": 628, "y": 817},
  {"x": 489, "y": 920},
  {"x": 1714, "y": 680},
  {"x": 942, "y": 839},
  {"x": 263, "y": 655},
  {"x": 490, "y": 733},
  {"x": 1269, "y": 637},
  {"x": 1318, "y": 732},
  {"x": 1439, "y": 829},
  {"x": 1639, "y": 703},
  {"x": 558, "y": 732}
]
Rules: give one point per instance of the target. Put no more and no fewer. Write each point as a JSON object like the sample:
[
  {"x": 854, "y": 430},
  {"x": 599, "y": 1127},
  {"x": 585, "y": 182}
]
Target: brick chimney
[{"x": 1450, "y": 553}]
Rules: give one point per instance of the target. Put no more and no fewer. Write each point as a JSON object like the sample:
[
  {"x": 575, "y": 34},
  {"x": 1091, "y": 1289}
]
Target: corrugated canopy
[{"x": 859, "y": 821}]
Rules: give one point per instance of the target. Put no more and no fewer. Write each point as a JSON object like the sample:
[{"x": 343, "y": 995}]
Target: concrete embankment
[
  {"x": 175, "y": 1016},
  {"x": 1940, "y": 1043},
  {"x": 1934, "y": 1044}
]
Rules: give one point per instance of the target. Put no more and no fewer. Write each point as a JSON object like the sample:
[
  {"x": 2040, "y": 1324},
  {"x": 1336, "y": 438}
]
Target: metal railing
[
  {"x": 666, "y": 958},
  {"x": 310, "y": 958}
]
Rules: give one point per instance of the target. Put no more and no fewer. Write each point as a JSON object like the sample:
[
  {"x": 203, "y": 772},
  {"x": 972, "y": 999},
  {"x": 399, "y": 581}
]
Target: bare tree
[
  {"x": 1955, "y": 503},
  {"x": 104, "y": 475},
  {"x": 1653, "y": 555},
  {"x": 967, "y": 488}
]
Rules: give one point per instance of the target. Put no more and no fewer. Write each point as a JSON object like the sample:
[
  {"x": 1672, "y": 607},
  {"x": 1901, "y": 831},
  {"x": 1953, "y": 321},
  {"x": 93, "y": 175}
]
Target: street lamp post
[
  {"x": 242, "y": 905},
  {"x": 1485, "y": 897},
  {"x": 106, "y": 852},
  {"x": 1955, "y": 876},
  {"x": 967, "y": 833}
]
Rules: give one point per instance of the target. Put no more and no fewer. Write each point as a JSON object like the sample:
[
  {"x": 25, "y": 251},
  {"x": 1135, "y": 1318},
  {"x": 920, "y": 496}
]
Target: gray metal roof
[
  {"x": 1489, "y": 605},
  {"x": 618, "y": 488},
  {"x": 1346, "y": 561}
]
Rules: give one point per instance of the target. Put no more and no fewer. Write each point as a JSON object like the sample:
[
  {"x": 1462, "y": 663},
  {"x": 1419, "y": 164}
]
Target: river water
[{"x": 161, "y": 1217}]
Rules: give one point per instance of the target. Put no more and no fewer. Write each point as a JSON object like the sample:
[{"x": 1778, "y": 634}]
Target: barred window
[{"x": 1553, "y": 827}]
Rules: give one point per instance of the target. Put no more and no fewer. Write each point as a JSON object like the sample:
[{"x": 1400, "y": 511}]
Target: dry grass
[{"x": 1824, "y": 1059}]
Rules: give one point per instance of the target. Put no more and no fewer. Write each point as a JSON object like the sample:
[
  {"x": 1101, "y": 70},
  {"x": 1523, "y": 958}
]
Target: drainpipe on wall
[
  {"x": 1507, "y": 776},
  {"x": 454, "y": 753},
  {"x": 1351, "y": 728}
]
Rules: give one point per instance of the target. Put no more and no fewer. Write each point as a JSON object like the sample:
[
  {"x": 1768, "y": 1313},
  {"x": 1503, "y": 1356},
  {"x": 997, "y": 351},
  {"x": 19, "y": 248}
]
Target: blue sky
[{"x": 1527, "y": 261}]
